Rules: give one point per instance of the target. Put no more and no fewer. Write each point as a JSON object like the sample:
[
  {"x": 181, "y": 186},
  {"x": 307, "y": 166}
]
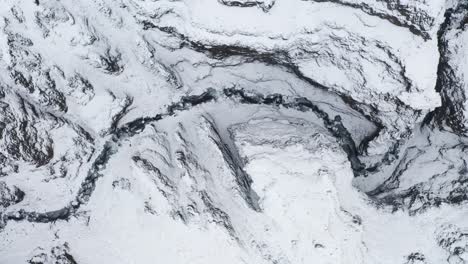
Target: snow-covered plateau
[{"x": 233, "y": 131}]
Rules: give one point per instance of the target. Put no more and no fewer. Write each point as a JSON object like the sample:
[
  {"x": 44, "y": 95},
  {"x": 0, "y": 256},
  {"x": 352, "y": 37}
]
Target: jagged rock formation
[
  {"x": 10, "y": 196},
  {"x": 419, "y": 16},
  {"x": 265, "y": 5},
  {"x": 452, "y": 82},
  {"x": 207, "y": 131},
  {"x": 57, "y": 255}
]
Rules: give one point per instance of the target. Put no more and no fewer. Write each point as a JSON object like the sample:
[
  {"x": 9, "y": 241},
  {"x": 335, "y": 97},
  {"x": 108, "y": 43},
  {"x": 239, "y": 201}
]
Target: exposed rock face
[
  {"x": 57, "y": 255},
  {"x": 419, "y": 16},
  {"x": 233, "y": 131},
  {"x": 265, "y": 5},
  {"x": 9, "y": 196},
  {"x": 452, "y": 80},
  {"x": 24, "y": 136},
  {"x": 454, "y": 241}
]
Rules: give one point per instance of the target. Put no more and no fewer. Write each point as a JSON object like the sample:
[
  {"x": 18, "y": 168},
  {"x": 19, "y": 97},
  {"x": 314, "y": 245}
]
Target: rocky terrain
[{"x": 234, "y": 131}]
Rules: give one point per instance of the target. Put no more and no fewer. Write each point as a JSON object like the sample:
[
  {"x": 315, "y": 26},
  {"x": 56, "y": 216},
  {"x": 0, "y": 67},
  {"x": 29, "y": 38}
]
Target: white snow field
[{"x": 233, "y": 131}]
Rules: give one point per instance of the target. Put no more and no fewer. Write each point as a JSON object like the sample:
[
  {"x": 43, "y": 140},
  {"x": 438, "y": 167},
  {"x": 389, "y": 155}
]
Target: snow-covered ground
[{"x": 233, "y": 131}]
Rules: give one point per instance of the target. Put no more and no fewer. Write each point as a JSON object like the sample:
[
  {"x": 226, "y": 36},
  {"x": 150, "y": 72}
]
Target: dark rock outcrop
[
  {"x": 452, "y": 83},
  {"x": 9, "y": 195}
]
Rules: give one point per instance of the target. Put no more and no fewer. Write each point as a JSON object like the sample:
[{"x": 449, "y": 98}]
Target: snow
[{"x": 154, "y": 160}]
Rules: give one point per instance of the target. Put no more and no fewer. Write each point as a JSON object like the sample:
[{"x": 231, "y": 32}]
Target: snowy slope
[{"x": 233, "y": 131}]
